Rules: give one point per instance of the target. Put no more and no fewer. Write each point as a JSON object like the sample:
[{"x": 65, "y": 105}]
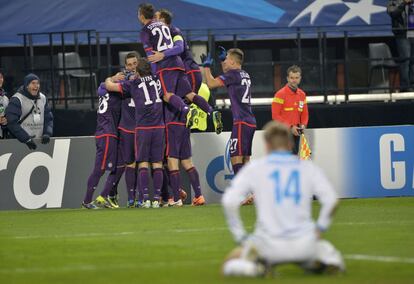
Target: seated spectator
[{"x": 28, "y": 114}]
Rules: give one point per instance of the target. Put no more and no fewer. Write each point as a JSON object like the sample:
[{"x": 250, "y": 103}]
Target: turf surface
[{"x": 187, "y": 245}]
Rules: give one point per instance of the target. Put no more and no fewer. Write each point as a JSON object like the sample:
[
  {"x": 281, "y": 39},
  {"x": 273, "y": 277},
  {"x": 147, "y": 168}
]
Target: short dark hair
[
  {"x": 166, "y": 15},
  {"x": 293, "y": 69},
  {"x": 143, "y": 67},
  {"x": 237, "y": 54},
  {"x": 130, "y": 55},
  {"x": 147, "y": 10}
]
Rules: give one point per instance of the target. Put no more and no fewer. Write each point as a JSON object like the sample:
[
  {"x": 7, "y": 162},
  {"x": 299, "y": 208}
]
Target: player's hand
[
  {"x": 222, "y": 53},
  {"x": 156, "y": 57},
  {"x": 296, "y": 130},
  {"x": 31, "y": 144},
  {"x": 3, "y": 120},
  {"x": 45, "y": 139},
  {"x": 206, "y": 60},
  {"x": 118, "y": 77}
]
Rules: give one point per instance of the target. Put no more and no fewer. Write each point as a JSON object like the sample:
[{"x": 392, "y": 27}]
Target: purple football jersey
[
  {"x": 109, "y": 112},
  {"x": 238, "y": 85},
  {"x": 147, "y": 98},
  {"x": 127, "y": 121},
  {"x": 157, "y": 36},
  {"x": 186, "y": 55}
]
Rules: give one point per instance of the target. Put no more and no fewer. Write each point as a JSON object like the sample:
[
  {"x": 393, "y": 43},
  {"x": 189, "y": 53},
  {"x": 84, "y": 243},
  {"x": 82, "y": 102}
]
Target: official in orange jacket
[{"x": 289, "y": 105}]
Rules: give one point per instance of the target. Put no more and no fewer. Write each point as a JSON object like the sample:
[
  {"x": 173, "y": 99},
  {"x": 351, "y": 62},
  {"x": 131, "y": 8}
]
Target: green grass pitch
[{"x": 187, "y": 245}]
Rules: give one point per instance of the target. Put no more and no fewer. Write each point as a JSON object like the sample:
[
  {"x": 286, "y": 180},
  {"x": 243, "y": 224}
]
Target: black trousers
[{"x": 296, "y": 140}]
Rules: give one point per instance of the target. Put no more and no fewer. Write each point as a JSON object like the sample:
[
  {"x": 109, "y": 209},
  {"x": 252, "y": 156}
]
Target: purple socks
[
  {"x": 195, "y": 181},
  {"x": 93, "y": 181},
  {"x": 175, "y": 184},
  {"x": 237, "y": 168},
  {"x": 157, "y": 179},
  {"x": 164, "y": 189},
  {"x": 130, "y": 179},
  {"x": 118, "y": 174},
  {"x": 143, "y": 183}
]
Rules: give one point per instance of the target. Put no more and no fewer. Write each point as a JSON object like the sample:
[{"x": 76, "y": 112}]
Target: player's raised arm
[
  {"x": 232, "y": 199},
  {"x": 327, "y": 197},
  {"x": 212, "y": 82},
  {"x": 111, "y": 86}
]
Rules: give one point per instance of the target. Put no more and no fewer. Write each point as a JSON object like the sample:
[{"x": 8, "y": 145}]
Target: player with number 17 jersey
[{"x": 149, "y": 127}]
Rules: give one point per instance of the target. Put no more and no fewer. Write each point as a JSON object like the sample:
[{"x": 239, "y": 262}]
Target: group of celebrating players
[
  {"x": 144, "y": 121},
  {"x": 144, "y": 118}
]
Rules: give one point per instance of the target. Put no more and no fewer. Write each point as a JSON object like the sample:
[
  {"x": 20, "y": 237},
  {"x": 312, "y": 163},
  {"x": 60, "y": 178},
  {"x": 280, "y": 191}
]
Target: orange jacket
[{"x": 290, "y": 107}]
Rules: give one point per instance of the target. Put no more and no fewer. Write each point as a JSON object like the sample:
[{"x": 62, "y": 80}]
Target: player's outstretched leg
[{"x": 93, "y": 181}]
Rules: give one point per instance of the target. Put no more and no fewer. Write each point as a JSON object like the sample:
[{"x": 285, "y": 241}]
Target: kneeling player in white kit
[{"x": 284, "y": 188}]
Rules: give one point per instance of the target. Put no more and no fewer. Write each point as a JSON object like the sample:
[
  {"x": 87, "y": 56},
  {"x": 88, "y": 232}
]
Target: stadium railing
[{"x": 323, "y": 87}]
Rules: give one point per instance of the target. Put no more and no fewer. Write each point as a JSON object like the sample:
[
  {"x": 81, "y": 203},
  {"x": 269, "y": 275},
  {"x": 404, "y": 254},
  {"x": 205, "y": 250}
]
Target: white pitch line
[
  {"x": 86, "y": 235},
  {"x": 379, "y": 258},
  {"x": 90, "y": 267},
  {"x": 179, "y": 231}
]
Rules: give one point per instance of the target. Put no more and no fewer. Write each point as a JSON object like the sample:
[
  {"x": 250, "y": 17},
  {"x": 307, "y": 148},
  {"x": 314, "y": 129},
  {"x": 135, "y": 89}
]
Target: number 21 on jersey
[{"x": 289, "y": 190}]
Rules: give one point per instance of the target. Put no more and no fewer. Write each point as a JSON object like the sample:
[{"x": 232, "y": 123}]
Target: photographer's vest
[
  {"x": 33, "y": 124},
  {"x": 4, "y": 101}
]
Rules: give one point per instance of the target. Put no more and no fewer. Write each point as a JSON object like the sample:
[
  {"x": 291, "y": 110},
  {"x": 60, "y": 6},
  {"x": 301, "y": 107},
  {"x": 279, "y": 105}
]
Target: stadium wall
[{"x": 360, "y": 162}]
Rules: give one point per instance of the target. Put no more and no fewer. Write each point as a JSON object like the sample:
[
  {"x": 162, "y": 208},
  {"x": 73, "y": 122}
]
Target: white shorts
[{"x": 275, "y": 251}]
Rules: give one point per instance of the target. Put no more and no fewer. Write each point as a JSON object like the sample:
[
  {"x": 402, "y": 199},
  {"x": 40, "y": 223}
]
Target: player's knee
[
  {"x": 172, "y": 164},
  {"x": 190, "y": 96},
  {"x": 131, "y": 165},
  {"x": 157, "y": 165},
  {"x": 328, "y": 255},
  {"x": 167, "y": 97},
  {"x": 187, "y": 164},
  {"x": 143, "y": 165}
]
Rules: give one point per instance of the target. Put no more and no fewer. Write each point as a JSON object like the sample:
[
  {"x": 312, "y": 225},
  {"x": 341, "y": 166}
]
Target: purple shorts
[
  {"x": 241, "y": 139},
  {"x": 106, "y": 152},
  {"x": 195, "y": 78},
  {"x": 127, "y": 147},
  {"x": 149, "y": 144},
  {"x": 178, "y": 141},
  {"x": 176, "y": 82}
]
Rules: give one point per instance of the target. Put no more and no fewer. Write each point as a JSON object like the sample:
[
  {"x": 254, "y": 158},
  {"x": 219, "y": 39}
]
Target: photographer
[
  {"x": 289, "y": 105},
  {"x": 28, "y": 114},
  {"x": 400, "y": 11}
]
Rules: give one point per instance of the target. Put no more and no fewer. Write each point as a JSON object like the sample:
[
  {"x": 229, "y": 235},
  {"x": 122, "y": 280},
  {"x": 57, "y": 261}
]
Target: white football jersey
[{"x": 283, "y": 187}]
